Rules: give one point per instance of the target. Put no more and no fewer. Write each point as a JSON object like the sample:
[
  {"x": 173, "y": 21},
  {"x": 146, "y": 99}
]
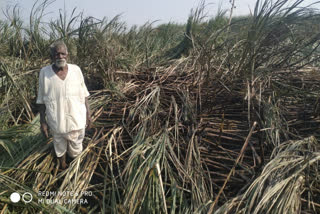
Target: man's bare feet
[{"x": 63, "y": 163}]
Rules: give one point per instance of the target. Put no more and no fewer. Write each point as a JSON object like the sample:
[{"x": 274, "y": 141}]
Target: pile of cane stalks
[{"x": 167, "y": 139}]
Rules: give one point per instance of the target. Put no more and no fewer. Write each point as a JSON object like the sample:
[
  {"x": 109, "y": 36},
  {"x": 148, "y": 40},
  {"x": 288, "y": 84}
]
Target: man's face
[{"x": 60, "y": 57}]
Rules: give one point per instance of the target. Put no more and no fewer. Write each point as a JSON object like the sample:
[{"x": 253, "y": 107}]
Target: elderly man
[{"x": 63, "y": 100}]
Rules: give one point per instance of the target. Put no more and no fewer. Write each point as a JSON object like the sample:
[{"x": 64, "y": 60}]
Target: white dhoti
[{"x": 69, "y": 142}]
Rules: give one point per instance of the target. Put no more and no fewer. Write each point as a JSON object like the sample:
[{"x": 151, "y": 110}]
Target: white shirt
[{"x": 64, "y": 99}]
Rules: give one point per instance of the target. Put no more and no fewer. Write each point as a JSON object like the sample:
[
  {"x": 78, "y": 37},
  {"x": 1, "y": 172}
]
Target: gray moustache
[{"x": 60, "y": 63}]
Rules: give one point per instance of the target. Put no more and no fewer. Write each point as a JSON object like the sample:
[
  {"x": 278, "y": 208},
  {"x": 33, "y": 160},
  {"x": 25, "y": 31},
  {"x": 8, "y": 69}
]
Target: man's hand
[
  {"x": 44, "y": 129},
  {"x": 43, "y": 122},
  {"x": 89, "y": 122}
]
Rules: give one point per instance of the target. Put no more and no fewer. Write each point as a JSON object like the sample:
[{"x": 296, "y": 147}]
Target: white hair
[{"x": 54, "y": 46}]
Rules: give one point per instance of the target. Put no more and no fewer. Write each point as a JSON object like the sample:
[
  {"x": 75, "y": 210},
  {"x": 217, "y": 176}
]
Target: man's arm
[
  {"x": 89, "y": 120},
  {"x": 43, "y": 121}
]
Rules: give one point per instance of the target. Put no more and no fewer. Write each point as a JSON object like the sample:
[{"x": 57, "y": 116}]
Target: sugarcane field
[{"x": 217, "y": 115}]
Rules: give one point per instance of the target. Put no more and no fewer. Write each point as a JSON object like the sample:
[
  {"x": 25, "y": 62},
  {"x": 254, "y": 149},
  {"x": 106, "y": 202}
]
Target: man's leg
[
  {"x": 60, "y": 147},
  {"x": 75, "y": 142},
  {"x": 63, "y": 162}
]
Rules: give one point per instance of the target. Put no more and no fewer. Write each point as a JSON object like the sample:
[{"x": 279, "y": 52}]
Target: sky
[{"x": 135, "y": 12}]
